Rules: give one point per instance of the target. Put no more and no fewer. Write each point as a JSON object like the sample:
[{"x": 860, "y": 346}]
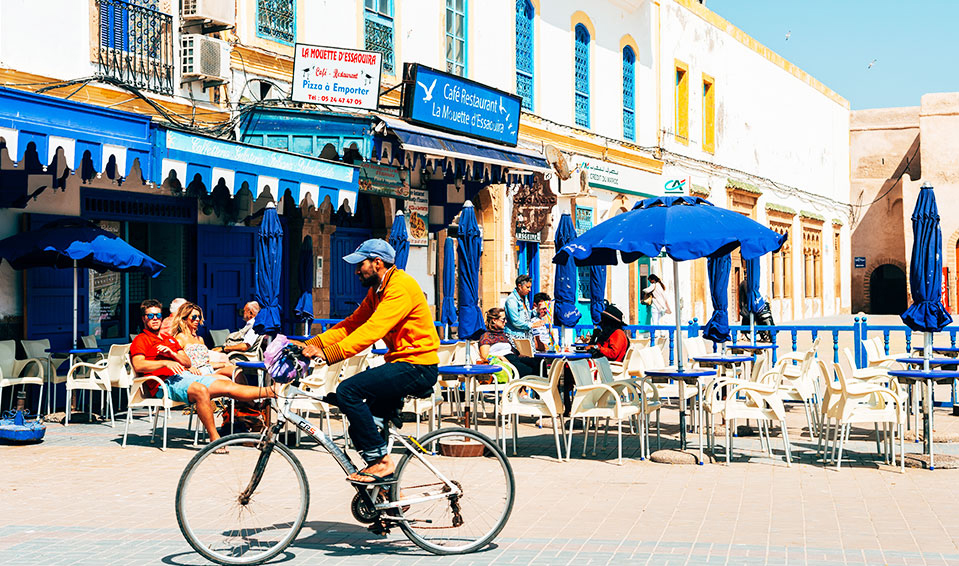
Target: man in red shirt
[{"x": 159, "y": 355}]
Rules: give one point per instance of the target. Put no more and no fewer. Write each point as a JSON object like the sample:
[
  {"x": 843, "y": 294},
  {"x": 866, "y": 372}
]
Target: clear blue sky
[{"x": 915, "y": 44}]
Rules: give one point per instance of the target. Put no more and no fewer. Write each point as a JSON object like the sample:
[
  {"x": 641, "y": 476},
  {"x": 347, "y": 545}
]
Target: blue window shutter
[
  {"x": 524, "y": 52},
  {"x": 581, "y": 66},
  {"x": 629, "y": 93}
]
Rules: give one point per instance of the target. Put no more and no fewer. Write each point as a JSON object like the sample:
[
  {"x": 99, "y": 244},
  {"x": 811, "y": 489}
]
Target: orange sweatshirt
[{"x": 397, "y": 313}]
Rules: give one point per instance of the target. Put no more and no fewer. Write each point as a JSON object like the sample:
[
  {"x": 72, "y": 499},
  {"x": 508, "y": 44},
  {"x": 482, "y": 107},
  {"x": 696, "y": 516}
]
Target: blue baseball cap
[{"x": 372, "y": 249}]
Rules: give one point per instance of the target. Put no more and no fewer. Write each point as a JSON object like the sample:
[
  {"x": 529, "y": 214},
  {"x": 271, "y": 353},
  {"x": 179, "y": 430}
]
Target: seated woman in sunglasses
[{"x": 187, "y": 320}]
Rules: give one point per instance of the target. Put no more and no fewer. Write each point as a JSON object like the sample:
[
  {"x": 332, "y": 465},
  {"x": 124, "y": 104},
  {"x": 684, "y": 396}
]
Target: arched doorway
[{"x": 887, "y": 290}]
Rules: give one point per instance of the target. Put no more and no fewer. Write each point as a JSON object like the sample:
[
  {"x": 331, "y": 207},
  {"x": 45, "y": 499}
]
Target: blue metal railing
[{"x": 859, "y": 330}]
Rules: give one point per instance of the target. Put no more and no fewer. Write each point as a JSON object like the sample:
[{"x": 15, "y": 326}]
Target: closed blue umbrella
[
  {"x": 717, "y": 328},
  {"x": 448, "y": 308},
  {"x": 400, "y": 240},
  {"x": 597, "y": 292},
  {"x": 564, "y": 287},
  {"x": 926, "y": 314},
  {"x": 469, "y": 315},
  {"x": 269, "y": 257},
  {"x": 684, "y": 227},
  {"x": 76, "y": 243},
  {"x": 303, "y": 311},
  {"x": 925, "y": 268}
]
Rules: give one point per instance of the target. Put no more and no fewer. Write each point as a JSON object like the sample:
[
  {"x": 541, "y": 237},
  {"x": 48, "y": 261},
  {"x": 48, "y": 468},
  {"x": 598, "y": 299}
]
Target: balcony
[{"x": 135, "y": 45}]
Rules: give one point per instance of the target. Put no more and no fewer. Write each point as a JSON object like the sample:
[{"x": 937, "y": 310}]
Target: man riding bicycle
[{"x": 394, "y": 310}]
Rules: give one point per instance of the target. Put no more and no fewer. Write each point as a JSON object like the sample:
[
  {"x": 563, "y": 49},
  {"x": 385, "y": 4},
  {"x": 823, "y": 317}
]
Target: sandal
[{"x": 376, "y": 480}]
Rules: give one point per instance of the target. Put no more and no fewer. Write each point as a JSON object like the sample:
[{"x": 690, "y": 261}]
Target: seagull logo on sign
[{"x": 428, "y": 90}]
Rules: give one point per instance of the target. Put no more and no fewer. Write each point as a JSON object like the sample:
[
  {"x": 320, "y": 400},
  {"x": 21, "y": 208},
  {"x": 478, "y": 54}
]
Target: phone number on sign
[{"x": 338, "y": 99}]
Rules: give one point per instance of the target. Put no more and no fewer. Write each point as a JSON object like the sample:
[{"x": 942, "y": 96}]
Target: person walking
[{"x": 659, "y": 307}]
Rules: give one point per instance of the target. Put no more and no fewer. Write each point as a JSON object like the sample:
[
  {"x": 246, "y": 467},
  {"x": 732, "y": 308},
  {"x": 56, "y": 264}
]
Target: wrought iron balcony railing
[{"x": 135, "y": 44}]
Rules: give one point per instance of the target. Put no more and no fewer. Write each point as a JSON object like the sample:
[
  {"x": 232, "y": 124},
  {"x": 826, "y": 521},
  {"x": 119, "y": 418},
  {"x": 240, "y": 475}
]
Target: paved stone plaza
[{"x": 79, "y": 498}]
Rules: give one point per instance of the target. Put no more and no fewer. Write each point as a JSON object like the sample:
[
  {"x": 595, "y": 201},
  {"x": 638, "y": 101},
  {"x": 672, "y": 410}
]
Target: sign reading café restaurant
[{"x": 452, "y": 103}]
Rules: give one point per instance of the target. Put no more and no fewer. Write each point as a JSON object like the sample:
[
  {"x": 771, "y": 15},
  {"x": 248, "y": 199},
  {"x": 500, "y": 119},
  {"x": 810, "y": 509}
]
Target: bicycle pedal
[{"x": 387, "y": 481}]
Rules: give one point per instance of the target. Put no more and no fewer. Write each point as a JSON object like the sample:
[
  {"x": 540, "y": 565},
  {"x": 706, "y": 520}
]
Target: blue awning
[
  {"x": 43, "y": 124},
  {"x": 192, "y": 158},
  {"x": 433, "y": 143}
]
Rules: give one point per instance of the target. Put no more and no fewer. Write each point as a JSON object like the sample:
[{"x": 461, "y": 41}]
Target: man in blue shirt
[{"x": 518, "y": 322}]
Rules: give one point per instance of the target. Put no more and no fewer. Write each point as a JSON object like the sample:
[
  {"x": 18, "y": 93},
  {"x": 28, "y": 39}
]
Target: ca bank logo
[{"x": 675, "y": 185}]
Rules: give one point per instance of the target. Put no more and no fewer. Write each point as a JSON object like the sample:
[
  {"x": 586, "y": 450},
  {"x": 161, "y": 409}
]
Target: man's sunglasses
[{"x": 152, "y": 315}]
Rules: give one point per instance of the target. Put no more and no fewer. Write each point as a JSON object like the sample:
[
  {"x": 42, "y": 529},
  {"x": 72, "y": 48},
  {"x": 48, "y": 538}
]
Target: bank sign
[
  {"x": 461, "y": 106},
  {"x": 336, "y": 77}
]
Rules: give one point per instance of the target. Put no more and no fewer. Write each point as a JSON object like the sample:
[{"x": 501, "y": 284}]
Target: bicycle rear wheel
[
  {"x": 228, "y": 528},
  {"x": 454, "y": 523}
]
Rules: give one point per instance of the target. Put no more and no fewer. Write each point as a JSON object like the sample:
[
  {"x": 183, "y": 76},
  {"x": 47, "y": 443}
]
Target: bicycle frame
[{"x": 284, "y": 415}]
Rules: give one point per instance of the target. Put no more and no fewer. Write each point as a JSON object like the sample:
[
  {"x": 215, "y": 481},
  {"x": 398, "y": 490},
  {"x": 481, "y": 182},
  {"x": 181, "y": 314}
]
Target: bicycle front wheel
[
  {"x": 454, "y": 520},
  {"x": 242, "y": 503}
]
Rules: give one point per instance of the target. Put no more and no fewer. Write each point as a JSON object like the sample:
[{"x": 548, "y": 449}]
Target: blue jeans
[{"x": 378, "y": 392}]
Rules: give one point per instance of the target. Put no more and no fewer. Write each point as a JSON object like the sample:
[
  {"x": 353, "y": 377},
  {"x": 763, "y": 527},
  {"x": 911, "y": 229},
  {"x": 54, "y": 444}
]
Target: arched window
[
  {"x": 524, "y": 52},
  {"x": 581, "y": 66},
  {"x": 629, "y": 93}
]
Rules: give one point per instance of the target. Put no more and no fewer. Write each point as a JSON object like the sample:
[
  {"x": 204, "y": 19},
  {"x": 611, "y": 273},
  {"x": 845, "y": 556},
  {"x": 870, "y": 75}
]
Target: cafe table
[
  {"x": 683, "y": 376},
  {"x": 917, "y": 362},
  {"x": 929, "y": 377},
  {"x": 471, "y": 372},
  {"x": 260, "y": 368}
]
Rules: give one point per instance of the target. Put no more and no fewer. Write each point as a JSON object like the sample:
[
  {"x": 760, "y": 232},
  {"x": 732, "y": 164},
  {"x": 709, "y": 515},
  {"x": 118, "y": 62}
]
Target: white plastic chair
[
  {"x": 15, "y": 372},
  {"x": 547, "y": 403},
  {"x": 37, "y": 350},
  {"x": 219, "y": 336},
  {"x": 876, "y": 354},
  {"x": 322, "y": 379},
  {"x": 101, "y": 376},
  {"x": 141, "y": 399},
  {"x": 524, "y": 346},
  {"x": 608, "y": 400},
  {"x": 860, "y": 402}
]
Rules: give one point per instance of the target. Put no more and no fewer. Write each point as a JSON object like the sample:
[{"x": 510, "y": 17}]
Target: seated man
[
  {"x": 245, "y": 338},
  {"x": 543, "y": 340},
  {"x": 160, "y": 355},
  {"x": 168, "y": 324}
]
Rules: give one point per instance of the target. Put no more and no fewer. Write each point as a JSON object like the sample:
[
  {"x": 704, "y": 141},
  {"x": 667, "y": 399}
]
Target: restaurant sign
[
  {"x": 383, "y": 180},
  {"x": 418, "y": 217},
  {"x": 336, "y": 77},
  {"x": 452, "y": 103}
]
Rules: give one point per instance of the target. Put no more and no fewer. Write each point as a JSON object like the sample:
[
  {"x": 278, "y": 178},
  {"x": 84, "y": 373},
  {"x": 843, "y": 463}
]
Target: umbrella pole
[
  {"x": 752, "y": 324},
  {"x": 927, "y": 403},
  {"x": 73, "y": 339},
  {"x": 679, "y": 337}
]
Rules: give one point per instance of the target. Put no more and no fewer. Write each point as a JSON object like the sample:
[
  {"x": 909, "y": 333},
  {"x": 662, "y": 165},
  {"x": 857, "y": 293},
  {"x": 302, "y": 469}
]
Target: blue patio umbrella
[
  {"x": 400, "y": 240},
  {"x": 684, "y": 227},
  {"x": 469, "y": 315},
  {"x": 597, "y": 292},
  {"x": 266, "y": 281},
  {"x": 564, "y": 286},
  {"x": 926, "y": 314},
  {"x": 717, "y": 328},
  {"x": 448, "y": 308},
  {"x": 303, "y": 311},
  {"x": 78, "y": 244},
  {"x": 753, "y": 294}
]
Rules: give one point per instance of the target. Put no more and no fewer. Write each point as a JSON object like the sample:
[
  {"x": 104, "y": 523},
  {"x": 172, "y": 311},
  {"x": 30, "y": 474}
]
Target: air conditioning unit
[
  {"x": 217, "y": 12},
  {"x": 205, "y": 59}
]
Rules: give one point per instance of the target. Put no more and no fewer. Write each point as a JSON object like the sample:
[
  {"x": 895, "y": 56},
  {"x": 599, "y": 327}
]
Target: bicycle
[{"x": 243, "y": 499}]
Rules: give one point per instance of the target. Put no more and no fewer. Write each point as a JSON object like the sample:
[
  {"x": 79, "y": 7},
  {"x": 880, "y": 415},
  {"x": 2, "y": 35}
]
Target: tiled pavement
[{"x": 78, "y": 498}]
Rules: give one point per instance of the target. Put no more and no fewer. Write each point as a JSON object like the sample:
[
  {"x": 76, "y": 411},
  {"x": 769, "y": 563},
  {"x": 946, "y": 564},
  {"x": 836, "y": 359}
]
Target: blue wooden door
[
  {"x": 49, "y": 299},
  {"x": 225, "y": 263},
  {"x": 346, "y": 292}
]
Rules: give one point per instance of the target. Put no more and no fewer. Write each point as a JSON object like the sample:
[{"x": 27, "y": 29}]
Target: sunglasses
[
  {"x": 195, "y": 317},
  {"x": 153, "y": 315}
]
